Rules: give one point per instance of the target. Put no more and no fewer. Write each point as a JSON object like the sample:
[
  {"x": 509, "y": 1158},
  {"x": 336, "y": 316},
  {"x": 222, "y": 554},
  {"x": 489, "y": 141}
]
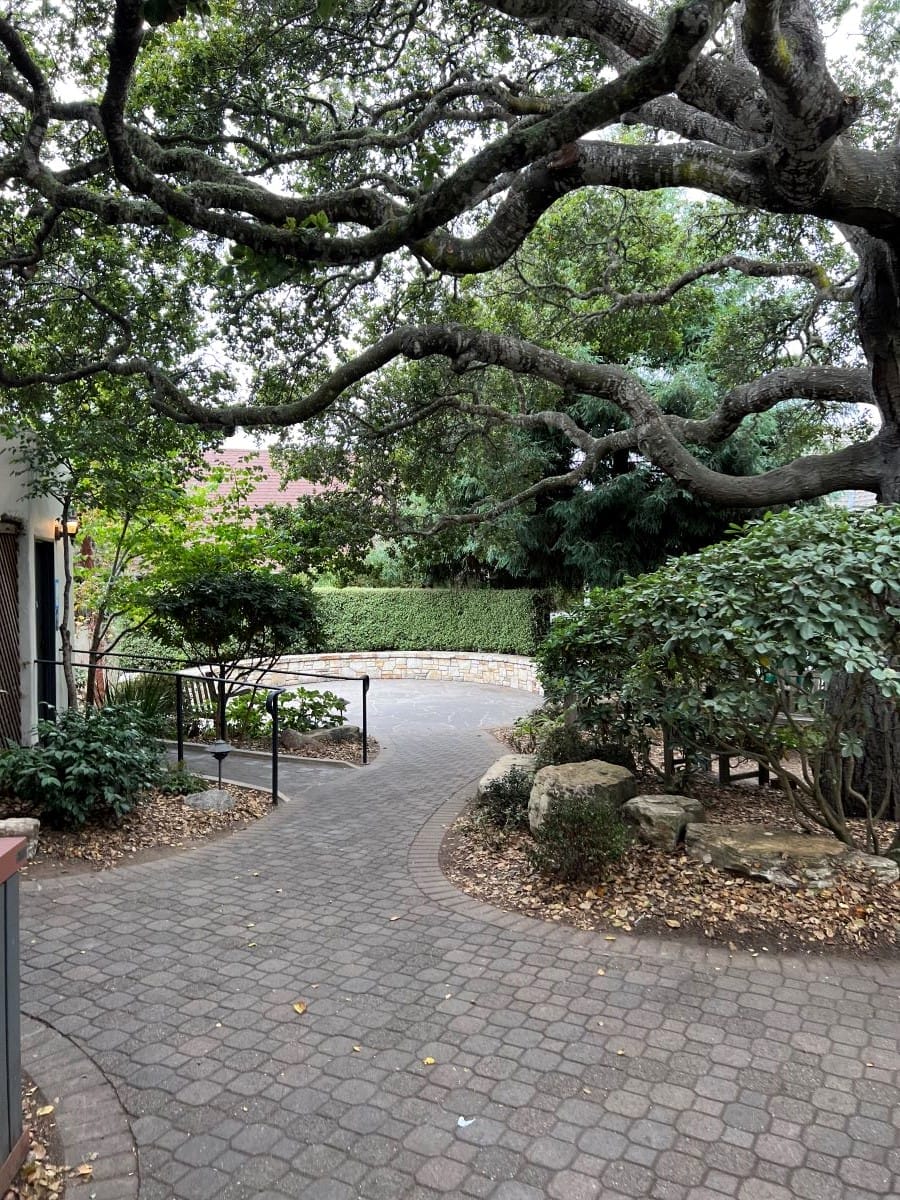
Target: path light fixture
[
  {"x": 70, "y": 528},
  {"x": 220, "y": 751}
]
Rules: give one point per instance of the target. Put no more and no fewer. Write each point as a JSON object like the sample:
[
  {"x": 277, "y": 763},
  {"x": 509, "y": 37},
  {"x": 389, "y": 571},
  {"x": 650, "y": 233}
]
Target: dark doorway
[
  {"x": 45, "y": 614},
  {"x": 10, "y": 652}
]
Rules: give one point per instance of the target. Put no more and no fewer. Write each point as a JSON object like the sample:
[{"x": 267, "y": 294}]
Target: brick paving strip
[{"x": 565, "y": 1066}]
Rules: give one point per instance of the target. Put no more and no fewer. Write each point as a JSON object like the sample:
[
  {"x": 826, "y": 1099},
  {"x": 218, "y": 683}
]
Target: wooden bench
[{"x": 793, "y": 687}]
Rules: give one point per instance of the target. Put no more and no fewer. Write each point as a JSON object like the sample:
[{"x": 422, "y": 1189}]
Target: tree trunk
[
  {"x": 877, "y": 774},
  {"x": 876, "y": 722},
  {"x": 65, "y": 622}
]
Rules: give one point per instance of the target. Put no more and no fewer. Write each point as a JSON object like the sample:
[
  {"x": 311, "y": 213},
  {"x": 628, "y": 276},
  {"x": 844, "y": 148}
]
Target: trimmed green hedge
[{"x": 501, "y": 622}]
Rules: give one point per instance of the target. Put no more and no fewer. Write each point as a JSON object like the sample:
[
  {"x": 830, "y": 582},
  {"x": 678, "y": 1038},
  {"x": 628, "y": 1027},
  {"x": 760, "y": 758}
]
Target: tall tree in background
[{"x": 628, "y": 516}]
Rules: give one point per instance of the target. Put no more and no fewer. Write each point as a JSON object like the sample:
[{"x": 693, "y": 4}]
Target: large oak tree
[{"x": 308, "y": 151}]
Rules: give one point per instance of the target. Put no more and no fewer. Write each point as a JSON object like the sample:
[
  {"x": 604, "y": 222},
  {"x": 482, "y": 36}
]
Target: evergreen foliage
[{"x": 504, "y": 622}]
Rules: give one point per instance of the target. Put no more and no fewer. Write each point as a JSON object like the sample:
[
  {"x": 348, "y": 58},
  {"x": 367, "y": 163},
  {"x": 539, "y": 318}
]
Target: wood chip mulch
[
  {"x": 157, "y": 823},
  {"x": 653, "y": 892}
]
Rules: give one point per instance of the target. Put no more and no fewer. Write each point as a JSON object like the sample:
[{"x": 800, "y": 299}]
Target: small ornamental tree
[
  {"x": 238, "y": 620},
  {"x": 772, "y": 645}
]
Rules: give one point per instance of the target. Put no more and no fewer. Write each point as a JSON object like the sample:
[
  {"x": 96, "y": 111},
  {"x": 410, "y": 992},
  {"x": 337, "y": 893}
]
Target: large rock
[
  {"x": 26, "y": 827},
  {"x": 662, "y": 820},
  {"x": 290, "y": 739},
  {"x": 872, "y": 867},
  {"x": 499, "y": 772},
  {"x": 212, "y": 800},
  {"x": 790, "y": 860},
  {"x": 594, "y": 780},
  {"x": 337, "y": 733}
]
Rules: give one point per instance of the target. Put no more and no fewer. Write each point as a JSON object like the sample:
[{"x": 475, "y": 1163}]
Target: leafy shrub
[
  {"x": 562, "y": 742},
  {"x": 179, "y": 781},
  {"x": 137, "y": 649},
  {"x": 501, "y": 622},
  {"x": 527, "y": 730},
  {"x": 229, "y": 614},
  {"x": 504, "y": 802},
  {"x": 86, "y": 766},
  {"x": 152, "y": 695},
  {"x": 732, "y": 650},
  {"x": 301, "y": 709},
  {"x": 247, "y": 717},
  {"x": 578, "y": 840},
  {"x": 306, "y": 709}
]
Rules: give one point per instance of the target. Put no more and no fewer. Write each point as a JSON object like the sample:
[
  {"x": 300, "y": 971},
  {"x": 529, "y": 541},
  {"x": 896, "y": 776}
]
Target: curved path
[{"x": 677, "y": 1073}]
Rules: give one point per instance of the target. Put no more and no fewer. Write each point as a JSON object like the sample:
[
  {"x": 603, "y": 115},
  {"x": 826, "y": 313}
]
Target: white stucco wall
[{"x": 36, "y": 517}]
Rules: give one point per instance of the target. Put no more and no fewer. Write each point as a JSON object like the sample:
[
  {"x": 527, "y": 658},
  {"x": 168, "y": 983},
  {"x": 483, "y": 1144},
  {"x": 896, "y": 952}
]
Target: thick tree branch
[{"x": 809, "y": 111}]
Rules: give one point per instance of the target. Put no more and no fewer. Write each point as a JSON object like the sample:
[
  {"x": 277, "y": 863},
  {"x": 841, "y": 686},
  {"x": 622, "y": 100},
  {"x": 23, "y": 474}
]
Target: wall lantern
[{"x": 70, "y": 529}]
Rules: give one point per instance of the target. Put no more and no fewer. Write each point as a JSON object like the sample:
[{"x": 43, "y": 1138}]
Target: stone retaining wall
[{"x": 507, "y": 670}]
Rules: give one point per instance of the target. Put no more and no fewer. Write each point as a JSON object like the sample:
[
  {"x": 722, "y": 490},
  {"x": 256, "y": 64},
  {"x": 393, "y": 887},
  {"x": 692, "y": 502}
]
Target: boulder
[
  {"x": 337, "y": 733},
  {"x": 594, "y": 780},
  {"x": 26, "y": 827},
  {"x": 790, "y": 860},
  {"x": 872, "y": 867},
  {"x": 662, "y": 820},
  {"x": 212, "y": 800},
  {"x": 290, "y": 739},
  {"x": 525, "y": 764}
]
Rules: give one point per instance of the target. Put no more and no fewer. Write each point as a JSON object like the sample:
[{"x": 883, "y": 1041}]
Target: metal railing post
[
  {"x": 365, "y": 720},
  {"x": 179, "y": 717},
  {"x": 223, "y": 732},
  {"x": 272, "y": 710}
]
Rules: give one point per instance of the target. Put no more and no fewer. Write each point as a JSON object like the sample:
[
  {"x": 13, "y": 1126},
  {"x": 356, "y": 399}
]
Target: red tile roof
[{"x": 269, "y": 489}]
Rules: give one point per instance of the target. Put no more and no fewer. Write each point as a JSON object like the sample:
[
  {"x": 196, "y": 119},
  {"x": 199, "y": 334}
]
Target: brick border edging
[{"x": 90, "y": 1117}]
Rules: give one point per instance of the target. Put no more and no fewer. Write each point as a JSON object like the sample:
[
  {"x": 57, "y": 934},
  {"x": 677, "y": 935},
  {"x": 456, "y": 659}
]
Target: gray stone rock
[
  {"x": 593, "y": 780},
  {"x": 290, "y": 739},
  {"x": 338, "y": 733},
  {"x": 212, "y": 800},
  {"x": 26, "y": 827},
  {"x": 871, "y": 867},
  {"x": 525, "y": 764},
  {"x": 662, "y": 820},
  {"x": 790, "y": 860}
]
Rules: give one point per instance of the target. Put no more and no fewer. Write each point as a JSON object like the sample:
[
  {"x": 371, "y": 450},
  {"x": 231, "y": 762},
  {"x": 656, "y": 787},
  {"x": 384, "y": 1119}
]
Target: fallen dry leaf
[
  {"x": 667, "y": 894},
  {"x": 300, "y": 1007}
]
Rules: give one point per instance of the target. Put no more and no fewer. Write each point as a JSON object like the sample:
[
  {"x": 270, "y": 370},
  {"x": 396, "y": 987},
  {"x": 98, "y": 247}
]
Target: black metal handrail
[{"x": 271, "y": 702}]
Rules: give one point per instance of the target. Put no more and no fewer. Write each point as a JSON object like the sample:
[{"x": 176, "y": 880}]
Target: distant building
[
  {"x": 31, "y": 572},
  {"x": 854, "y": 500},
  {"x": 269, "y": 488}
]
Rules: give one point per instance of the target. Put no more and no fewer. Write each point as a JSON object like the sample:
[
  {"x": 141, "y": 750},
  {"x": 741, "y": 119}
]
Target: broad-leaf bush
[
  {"x": 300, "y": 709},
  {"x": 86, "y": 766},
  {"x": 734, "y": 650}
]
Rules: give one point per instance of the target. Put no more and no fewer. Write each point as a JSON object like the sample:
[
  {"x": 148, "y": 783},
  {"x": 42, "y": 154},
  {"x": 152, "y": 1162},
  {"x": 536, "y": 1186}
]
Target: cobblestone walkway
[{"x": 564, "y": 1065}]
